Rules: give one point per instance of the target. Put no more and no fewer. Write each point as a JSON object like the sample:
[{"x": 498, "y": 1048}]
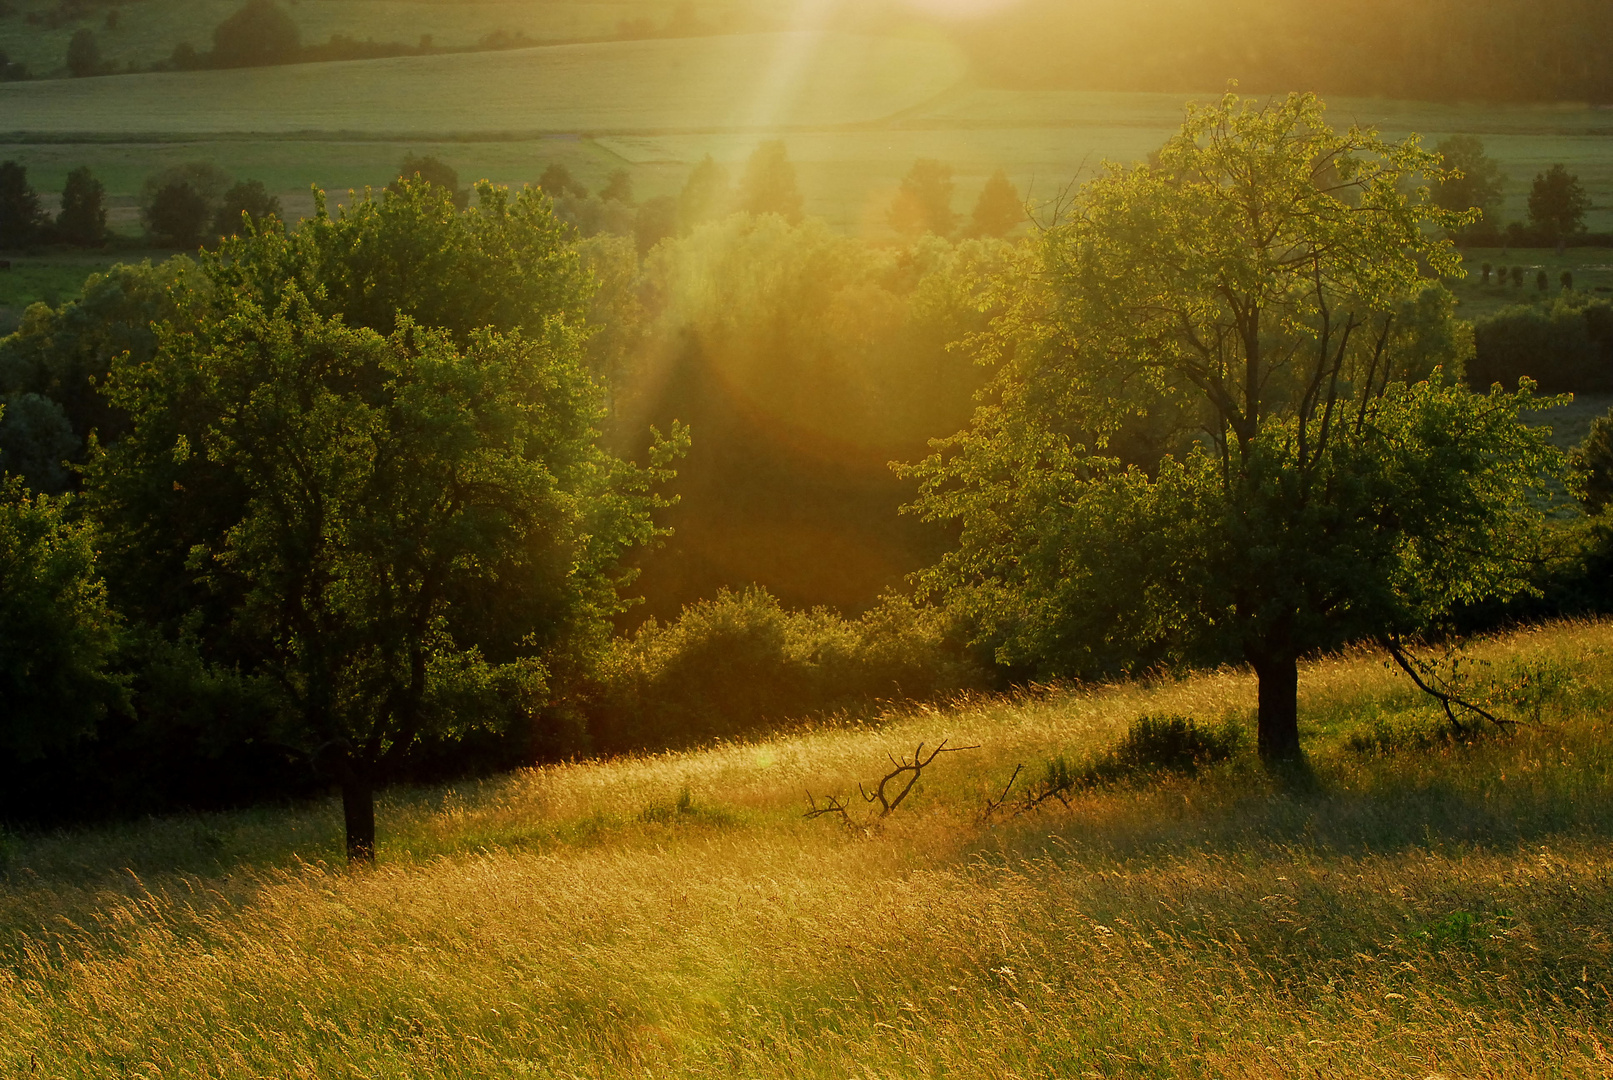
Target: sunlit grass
[{"x": 1417, "y": 906}]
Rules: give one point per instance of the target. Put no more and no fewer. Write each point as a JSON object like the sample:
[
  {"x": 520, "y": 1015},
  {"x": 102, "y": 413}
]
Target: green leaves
[{"x": 1224, "y": 422}]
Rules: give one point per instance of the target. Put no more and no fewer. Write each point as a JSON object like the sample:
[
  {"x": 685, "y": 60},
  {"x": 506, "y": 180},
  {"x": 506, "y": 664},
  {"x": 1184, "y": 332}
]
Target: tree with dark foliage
[
  {"x": 177, "y": 215},
  {"x": 370, "y": 472},
  {"x": 1472, "y": 179},
  {"x": 84, "y": 55},
  {"x": 58, "y": 635},
  {"x": 432, "y": 170},
  {"x": 1557, "y": 204},
  {"x": 82, "y": 219},
  {"x": 20, "y": 212},
  {"x": 258, "y": 35},
  {"x": 247, "y": 197}
]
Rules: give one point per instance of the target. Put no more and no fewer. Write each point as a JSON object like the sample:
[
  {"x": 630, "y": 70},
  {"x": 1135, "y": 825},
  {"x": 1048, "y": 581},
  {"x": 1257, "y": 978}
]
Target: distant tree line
[
  {"x": 181, "y": 206},
  {"x": 1435, "y": 50},
  {"x": 24, "y": 222}
]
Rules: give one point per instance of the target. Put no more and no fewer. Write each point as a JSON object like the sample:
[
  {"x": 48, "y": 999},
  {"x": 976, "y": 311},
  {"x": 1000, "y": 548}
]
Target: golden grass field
[{"x": 1416, "y": 908}]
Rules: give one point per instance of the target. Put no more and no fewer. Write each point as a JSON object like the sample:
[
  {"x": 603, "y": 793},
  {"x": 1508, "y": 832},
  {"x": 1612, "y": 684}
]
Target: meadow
[
  {"x": 855, "y": 110},
  {"x": 148, "y": 32},
  {"x": 1413, "y": 906}
]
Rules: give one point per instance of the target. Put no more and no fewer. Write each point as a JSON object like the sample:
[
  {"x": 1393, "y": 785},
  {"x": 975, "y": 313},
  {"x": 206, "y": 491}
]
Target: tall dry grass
[{"x": 1414, "y": 907}]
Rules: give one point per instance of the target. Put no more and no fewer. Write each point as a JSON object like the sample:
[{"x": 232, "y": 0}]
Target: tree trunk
[
  {"x": 1278, "y": 725},
  {"x": 358, "y": 808}
]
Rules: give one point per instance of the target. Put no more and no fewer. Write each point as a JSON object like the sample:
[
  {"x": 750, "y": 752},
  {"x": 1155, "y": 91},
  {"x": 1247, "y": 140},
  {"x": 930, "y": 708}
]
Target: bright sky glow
[{"x": 961, "y": 9}]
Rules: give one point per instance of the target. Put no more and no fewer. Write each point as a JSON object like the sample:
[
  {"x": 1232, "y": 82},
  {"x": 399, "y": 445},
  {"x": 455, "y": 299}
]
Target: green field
[
  {"x": 148, "y": 31},
  {"x": 1416, "y": 907},
  {"x": 856, "y": 111}
]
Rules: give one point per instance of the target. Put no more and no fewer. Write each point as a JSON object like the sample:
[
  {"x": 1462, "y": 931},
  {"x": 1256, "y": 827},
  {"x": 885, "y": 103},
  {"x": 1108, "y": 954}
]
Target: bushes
[
  {"x": 1566, "y": 346},
  {"x": 729, "y": 666}
]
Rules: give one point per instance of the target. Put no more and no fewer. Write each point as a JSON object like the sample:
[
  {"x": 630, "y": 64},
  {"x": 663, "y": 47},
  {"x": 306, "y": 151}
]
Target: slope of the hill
[
  {"x": 1415, "y": 907},
  {"x": 741, "y": 81}
]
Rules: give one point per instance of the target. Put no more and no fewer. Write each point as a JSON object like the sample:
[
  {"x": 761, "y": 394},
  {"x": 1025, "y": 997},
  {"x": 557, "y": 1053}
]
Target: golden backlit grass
[{"x": 1416, "y": 907}]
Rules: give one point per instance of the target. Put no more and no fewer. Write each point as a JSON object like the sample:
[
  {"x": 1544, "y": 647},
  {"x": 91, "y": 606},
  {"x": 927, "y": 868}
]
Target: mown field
[
  {"x": 1413, "y": 907},
  {"x": 856, "y": 110},
  {"x": 147, "y": 31}
]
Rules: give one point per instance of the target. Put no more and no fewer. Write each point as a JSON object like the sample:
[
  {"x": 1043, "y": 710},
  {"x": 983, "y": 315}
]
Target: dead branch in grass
[{"x": 912, "y": 770}]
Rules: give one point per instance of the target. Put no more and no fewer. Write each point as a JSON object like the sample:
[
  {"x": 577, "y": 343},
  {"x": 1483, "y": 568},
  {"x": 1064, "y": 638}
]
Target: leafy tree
[
  {"x": 248, "y": 197},
  {"x": 385, "y": 492},
  {"x": 1594, "y": 459},
  {"x": 260, "y": 33},
  {"x": 82, "y": 219},
  {"x": 35, "y": 438},
  {"x": 58, "y": 636},
  {"x": 999, "y": 209},
  {"x": 62, "y": 353},
  {"x": 84, "y": 55},
  {"x": 1220, "y": 424},
  {"x": 178, "y": 203},
  {"x": 618, "y": 187},
  {"x": 1472, "y": 179},
  {"x": 706, "y": 194},
  {"x": 432, "y": 170},
  {"x": 923, "y": 202},
  {"x": 1557, "y": 203},
  {"x": 20, "y": 212},
  {"x": 1517, "y": 276},
  {"x": 557, "y": 182},
  {"x": 656, "y": 220},
  {"x": 768, "y": 186},
  {"x": 177, "y": 214}
]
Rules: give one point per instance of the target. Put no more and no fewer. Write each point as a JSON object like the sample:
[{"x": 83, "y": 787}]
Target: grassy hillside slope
[{"x": 1418, "y": 908}]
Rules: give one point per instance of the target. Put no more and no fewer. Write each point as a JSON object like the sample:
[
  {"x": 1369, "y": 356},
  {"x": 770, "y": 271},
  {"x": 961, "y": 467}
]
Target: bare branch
[
  {"x": 993, "y": 805},
  {"x": 1448, "y": 701}
]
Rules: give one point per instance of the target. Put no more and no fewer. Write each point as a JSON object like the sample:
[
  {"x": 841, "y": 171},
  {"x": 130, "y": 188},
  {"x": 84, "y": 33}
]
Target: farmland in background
[
  {"x": 148, "y": 31},
  {"x": 855, "y": 110}
]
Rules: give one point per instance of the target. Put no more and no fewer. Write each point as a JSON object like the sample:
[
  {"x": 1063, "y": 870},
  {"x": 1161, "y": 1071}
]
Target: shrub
[
  {"x": 1171, "y": 744},
  {"x": 1542, "y": 282},
  {"x": 1564, "y": 346},
  {"x": 740, "y": 662}
]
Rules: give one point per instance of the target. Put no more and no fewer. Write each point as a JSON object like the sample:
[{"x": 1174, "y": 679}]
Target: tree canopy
[
  {"x": 20, "y": 212},
  {"x": 1557, "y": 203},
  {"x": 1472, "y": 179},
  {"x": 923, "y": 202},
  {"x": 258, "y": 34},
  {"x": 58, "y": 635},
  {"x": 82, "y": 219},
  {"x": 768, "y": 186},
  {"x": 999, "y": 209},
  {"x": 1226, "y": 420},
  {"x": 369, "y": 469}
]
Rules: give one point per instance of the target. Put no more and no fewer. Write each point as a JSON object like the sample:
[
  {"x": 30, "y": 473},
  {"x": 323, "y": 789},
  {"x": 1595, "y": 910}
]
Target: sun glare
[{"x": 962, "y": 9}]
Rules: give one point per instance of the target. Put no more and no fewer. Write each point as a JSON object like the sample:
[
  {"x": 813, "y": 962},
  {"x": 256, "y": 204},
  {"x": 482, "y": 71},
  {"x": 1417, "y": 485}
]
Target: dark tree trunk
[
  {"x": 1278, "y": 725},
  {"x": 358, "y": 808}
]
